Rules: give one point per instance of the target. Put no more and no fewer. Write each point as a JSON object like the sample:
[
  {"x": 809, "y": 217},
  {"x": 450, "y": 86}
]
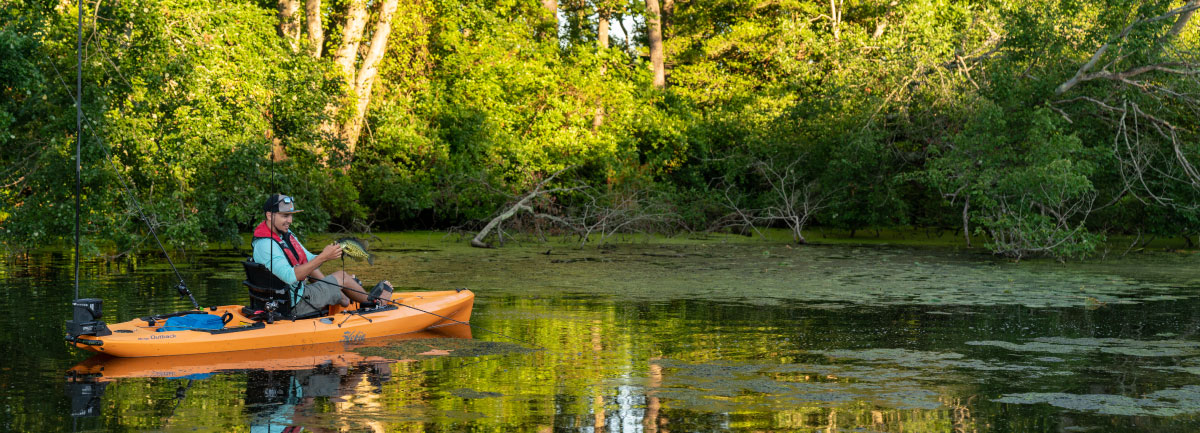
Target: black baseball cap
[{"x": 280, "y": 203}]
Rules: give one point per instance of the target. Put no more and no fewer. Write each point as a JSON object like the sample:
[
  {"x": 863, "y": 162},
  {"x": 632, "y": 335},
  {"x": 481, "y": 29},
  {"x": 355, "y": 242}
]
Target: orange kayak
[
  {"x": 140, "y": 337},
  {"x": 103, "y": 367}
]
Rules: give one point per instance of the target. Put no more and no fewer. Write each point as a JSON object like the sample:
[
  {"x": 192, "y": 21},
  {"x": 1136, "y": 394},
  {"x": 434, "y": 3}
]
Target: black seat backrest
[{"x": 266, "y": 287}]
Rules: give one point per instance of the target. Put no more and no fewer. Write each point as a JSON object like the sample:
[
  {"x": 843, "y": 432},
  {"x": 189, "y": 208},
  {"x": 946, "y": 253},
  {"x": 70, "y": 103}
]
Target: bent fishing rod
[{"x": 443, "y": 317}]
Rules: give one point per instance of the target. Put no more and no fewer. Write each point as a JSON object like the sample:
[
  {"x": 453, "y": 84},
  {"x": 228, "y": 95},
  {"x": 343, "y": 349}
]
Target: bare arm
[{"x": 312, "y": 267}]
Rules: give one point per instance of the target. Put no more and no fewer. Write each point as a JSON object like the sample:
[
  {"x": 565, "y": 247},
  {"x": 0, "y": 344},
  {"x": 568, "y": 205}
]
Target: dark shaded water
[{"x": 679, "y": 336}]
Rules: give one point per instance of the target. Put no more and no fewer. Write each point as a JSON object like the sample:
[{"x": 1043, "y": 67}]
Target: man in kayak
[{"x": 276, "y": 247}]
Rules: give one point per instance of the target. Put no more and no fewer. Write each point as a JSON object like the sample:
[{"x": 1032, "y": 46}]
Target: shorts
[{"x": 318, "y": 295}]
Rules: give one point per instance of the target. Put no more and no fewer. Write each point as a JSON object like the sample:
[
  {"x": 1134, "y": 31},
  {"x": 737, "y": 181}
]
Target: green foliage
[
  {"x": 1026, "y": 180},
  {"x": 183, "y": 100},
  {"x": 896, "y": 113}
]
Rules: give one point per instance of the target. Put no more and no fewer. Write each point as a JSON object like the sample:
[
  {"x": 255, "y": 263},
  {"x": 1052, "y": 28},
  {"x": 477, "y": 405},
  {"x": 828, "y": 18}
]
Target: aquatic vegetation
[
  {"x": 1167, "y": 402},
  {"x": 454, "y": 347},
  {"x": 748, "y": 386},
  {"x": 1118, "y": 346},
  {"x": 733, "y": 269},
  {"x": 470, "y": 393}
]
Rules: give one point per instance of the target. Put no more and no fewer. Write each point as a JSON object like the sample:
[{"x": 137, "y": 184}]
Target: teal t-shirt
[{"x": 267, "y": 252}]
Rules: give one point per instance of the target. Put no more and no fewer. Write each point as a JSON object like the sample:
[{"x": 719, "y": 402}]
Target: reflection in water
[
  {"x": 282, "y": 385},
  {"x": 652, "y": 403},
  {"x": 654, "y": 338},
  {"x": 277, "y": 401},
  {"x": 85, "y": 397}
]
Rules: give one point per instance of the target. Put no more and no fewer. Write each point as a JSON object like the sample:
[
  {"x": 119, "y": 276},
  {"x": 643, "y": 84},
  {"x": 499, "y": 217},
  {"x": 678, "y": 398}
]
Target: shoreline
[{"x": 949, "y": 239}]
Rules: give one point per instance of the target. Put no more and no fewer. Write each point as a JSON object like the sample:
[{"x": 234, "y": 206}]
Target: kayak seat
[{"x": 267, "y": 290}]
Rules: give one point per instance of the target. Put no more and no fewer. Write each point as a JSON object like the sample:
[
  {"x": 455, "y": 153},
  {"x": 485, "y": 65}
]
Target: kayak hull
[
  {"x": 415, "y": 311},
  {"x": 103, "y": 368}
]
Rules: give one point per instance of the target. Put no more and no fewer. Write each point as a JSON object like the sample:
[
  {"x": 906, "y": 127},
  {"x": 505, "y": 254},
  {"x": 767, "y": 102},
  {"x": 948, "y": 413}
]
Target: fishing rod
[
  {"x": 86, "y": 313},
  {"x": 343, "y": 258},
  {"x": 78, "y": 134},
  {"x": 443, "y": 317},
  {"x": 181, "y": 286}
]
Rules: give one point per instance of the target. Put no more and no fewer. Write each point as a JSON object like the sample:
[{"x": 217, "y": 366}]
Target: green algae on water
[
  {"x": 473, "y": 394},
  {"x": 432, "y": 347},
  {"x": 734, "y": 269},
  {"x": 1116, "y": 346},
  {"x": 734, "y": 386},
  {"x": 1167, "y": 402}
]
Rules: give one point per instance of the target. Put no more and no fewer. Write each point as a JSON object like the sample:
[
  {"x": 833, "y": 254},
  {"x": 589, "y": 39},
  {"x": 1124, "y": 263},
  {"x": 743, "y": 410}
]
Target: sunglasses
[{"x": 284, "y": 199}]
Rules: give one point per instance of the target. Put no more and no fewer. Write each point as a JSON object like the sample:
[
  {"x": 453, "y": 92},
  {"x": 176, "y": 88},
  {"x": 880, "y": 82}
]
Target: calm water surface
[{"x": 702, "y": 335}]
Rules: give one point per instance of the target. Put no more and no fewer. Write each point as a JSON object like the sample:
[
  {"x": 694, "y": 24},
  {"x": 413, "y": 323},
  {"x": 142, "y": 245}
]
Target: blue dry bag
[{"x": 192, "y": 321}]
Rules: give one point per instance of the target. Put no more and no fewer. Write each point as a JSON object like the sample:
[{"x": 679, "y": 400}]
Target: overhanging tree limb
[{"x": 1184, "y": 13}]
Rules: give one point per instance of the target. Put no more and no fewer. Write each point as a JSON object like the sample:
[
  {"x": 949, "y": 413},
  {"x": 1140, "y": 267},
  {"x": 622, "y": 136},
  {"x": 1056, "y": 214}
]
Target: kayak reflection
[
  {"x": 279, "y": 380},
  {"x": 101, "y": 367}
]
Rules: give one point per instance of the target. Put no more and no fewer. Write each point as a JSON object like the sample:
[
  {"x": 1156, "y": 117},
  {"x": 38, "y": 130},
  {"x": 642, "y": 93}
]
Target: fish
[{"x": 355, "y": 249}]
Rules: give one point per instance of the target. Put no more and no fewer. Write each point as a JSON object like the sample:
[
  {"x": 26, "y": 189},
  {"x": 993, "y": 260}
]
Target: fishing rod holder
[
  {"x": 272, "y": 309},
  {"x": 185, "y": 293},
  {"x": 85, "y": 318}
]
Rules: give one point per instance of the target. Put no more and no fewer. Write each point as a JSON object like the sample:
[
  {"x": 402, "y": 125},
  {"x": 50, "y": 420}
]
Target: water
[{"x": 720, "y": 334}]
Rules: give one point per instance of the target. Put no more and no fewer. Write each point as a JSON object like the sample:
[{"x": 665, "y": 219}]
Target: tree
[
  {"x": 358, "y": 62},
  {"x": 603, "y": 13},
  {"x": 654, "y": 28},
  {"x": 1142, "y": 83}
]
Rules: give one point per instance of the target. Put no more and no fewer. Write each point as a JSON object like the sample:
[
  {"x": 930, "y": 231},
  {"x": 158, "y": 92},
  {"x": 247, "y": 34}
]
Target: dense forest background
[{"x": 1041, "y": 126}]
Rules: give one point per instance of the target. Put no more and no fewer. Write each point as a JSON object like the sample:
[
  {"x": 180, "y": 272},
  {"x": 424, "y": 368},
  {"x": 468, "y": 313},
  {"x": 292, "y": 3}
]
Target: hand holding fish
[
  {"x": 331, "y": 251},
  {"x": 355, "y": 249}
]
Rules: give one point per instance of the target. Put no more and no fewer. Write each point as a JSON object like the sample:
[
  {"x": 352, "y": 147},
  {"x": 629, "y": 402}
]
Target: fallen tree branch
[{"x": 522, "y": 204}]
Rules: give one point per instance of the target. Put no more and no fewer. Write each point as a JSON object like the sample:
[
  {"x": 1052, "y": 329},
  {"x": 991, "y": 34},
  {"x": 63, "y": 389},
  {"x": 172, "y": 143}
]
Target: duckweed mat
[{"x": 436, "y": 347}]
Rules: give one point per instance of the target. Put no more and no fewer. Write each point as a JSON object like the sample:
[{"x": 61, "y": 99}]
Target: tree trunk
[
  {"x": 602, "y": 39},
  {"x": 356, "y": 21},
  {"x": 602, "y": 34},
  {"x": 967, "y": 220},
  {"x": 1182, "y": 21},
  {"x": 368, "y": 71},
  {"x": 879, "y": 28},
  {"x": 668, "y": 11},
  {"x": 654, "y": 25},
  {"x": 316, "y": 33},
  {"x": 289, "y": 23},
  {"x": 552, "y": 6},
  {"x": 520, "y": 205},
  {"x": 344, "y": 57},
  {"x": 277, "y": 151},
  {"x": 835, "y": 18},
  {"x": 359, "y": 76}
]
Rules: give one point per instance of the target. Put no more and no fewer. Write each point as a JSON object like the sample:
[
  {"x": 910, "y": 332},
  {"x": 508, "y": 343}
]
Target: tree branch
[{"x": 1091, "y": 63}]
